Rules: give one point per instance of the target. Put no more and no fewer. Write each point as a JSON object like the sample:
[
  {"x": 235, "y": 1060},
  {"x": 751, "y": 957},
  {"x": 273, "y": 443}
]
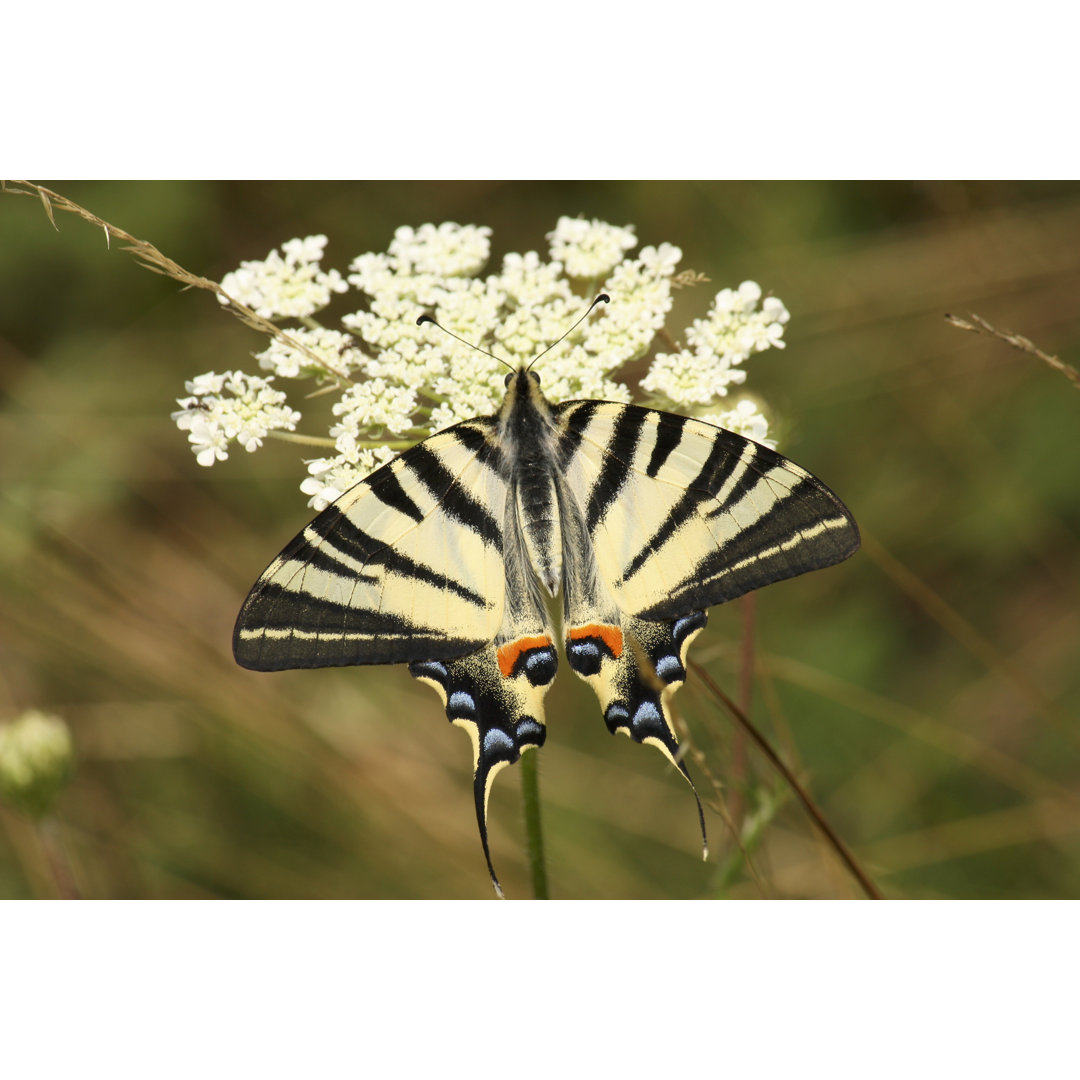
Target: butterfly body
[{"x": 444, "y": 558}]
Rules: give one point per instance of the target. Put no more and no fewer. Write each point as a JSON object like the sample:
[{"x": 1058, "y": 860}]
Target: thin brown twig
[
  {"x": 809, "y": 805},
  {"x": 155, "y": 261},
  {"x": 1017, "y": 341},
  {"x": 739, "y": 762}
]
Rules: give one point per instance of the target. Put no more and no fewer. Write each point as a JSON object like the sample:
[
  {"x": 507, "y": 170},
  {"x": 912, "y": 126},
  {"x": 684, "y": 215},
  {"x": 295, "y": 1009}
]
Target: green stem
[
  {"x": 304, "y": 440},
  {"x": 534, "y": 833}
]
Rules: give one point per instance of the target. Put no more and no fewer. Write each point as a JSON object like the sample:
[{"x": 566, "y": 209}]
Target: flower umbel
[
  {"x": 231, "y": 407},
  {"x": 733, "y": 331},
  {"x": 36, "y": 761},
  {"x": 397, "y": 382},
  {"x": 285, "y": 286},
  {"x": 589, "y": 249}
]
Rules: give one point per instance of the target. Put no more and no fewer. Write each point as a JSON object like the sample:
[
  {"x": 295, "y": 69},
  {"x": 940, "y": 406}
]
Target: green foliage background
[{"x": 926, "y": 691}]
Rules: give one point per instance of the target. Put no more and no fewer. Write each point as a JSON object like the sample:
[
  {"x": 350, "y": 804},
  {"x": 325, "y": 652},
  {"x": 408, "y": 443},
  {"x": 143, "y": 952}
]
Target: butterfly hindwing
[
  {"x": 407, "y": 565},
  {"x": 499, "y": 704},
  {"x": 635, "y": 669}
]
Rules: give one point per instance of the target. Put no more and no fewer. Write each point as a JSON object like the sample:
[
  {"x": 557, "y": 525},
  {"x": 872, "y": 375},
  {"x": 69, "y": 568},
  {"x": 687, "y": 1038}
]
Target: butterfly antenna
[
  {"x": 603, "y": 298},
  {"x": 426, "y": 318}
]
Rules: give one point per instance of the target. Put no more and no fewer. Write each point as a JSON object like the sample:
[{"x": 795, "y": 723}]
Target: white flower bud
[{"x": 36, "y": 760}]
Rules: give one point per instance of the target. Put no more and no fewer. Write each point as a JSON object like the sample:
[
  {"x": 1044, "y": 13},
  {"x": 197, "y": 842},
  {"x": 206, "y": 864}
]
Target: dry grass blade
[
  {"x": 151, "y": 259},
  {"x": 809, "y": 805},
  {"x": 962, "y": 630},
  {"x": 1017, "y": 341},
  {"x": 1041, "y": 821},
  {"x": 48, "y": 208}
]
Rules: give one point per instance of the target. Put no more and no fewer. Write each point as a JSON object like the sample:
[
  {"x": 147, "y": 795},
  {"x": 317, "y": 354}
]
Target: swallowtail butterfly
[{"x": 443, "y": 559}]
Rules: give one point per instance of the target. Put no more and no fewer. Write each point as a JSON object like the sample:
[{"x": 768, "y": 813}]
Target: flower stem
[
  {"x": 304, "y": 440},
  {"x": 534, "y": 833}
]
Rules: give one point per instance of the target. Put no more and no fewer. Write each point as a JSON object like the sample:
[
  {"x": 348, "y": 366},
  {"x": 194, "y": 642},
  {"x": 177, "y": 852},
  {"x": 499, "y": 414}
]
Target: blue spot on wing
[
  {"x": 497, "y": 744},
  {"x": 694, "y": 621},
  {"x": 584, "y": 657},
  {"x": 540, "y": 666},
  {"x": 668, "y": 667},
  {"x": 648, "y": 722},
  {"x": 529, "y": 733},
  {"x": 645, "y": 712},
  {"x": 617, "y": 716},
  {"x": 462, "y": 703}
]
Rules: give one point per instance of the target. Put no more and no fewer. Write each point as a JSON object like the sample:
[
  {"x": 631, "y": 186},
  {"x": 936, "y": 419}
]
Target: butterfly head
[{"x": 519, "y": 377}]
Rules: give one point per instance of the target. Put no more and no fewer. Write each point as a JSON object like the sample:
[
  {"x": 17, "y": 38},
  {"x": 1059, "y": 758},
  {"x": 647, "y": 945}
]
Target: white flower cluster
[
  {"x": 36, "y": 759},
  {"x": 289, "y": 286},
  {"x": 231, "y": 407},
  {"x": 400, "y": 382},
  {"x": 446, "y": 251},
  {"x": 334, "y": 348},
  {"x": 589, "y": 249},
  {"x": 736, "y": 328},
  {"x": 331, "y": 477},
  {"x": 733, "y": 331},
  {"x": 745, "y": 419}
]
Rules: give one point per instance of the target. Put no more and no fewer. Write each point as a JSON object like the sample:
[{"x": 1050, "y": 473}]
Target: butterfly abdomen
[{"x": 528, "y": 437}]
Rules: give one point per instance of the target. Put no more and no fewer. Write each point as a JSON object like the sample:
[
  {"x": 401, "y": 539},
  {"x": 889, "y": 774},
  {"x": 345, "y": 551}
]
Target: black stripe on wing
[
  {"x": 299, "y": 632},
  {"x": 807, "y": 530},
  {"x": 614, "y": 473},
  {"x": 716, "y": 468},
  {"x": 340, "y": 535},
  {"x": 454, "y": 500},
  {"x": 573, "y": 418},
  {"x": 668, "y": 436},
  {"x": 387, "y": 487}
]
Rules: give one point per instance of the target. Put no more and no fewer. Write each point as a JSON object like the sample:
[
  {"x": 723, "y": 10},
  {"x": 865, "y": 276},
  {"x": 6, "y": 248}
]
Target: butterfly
[{"x": 445, "y": 557}]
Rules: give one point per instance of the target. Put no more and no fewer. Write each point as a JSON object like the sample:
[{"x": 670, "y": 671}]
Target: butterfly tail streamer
[
  {"x": 634, "y": 669},
  {"x": 480, "y": 790}
]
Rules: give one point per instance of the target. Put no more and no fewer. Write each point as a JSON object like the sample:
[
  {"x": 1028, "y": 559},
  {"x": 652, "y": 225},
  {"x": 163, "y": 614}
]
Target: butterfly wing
[
  {"x": 668, "y": 516},
  {"x": 683, "y": 515},
  {"x": 423, "y": 563},
  {"x": 407, "y": 565},
  {"x": 497, "y": 693}
]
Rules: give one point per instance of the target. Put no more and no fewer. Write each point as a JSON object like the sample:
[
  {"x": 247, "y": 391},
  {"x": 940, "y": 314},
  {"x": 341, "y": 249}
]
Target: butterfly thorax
[{"x": 527, "y": 437}]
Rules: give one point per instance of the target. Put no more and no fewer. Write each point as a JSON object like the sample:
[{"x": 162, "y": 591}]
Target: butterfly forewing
[
  {"x": 407, "y": 565},
  {"x": 683, "y": 515}
]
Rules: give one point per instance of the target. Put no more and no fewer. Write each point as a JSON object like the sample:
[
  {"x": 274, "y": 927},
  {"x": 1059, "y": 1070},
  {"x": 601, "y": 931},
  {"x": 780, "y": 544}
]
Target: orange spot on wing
[
  {"x": 508, "y": 654},
  {"x": 611, "y": 636}
]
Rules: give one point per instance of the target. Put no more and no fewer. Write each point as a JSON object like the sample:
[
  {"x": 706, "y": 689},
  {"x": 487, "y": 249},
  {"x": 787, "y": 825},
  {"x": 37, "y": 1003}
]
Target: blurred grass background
[{"x": 926, "y": 691}]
